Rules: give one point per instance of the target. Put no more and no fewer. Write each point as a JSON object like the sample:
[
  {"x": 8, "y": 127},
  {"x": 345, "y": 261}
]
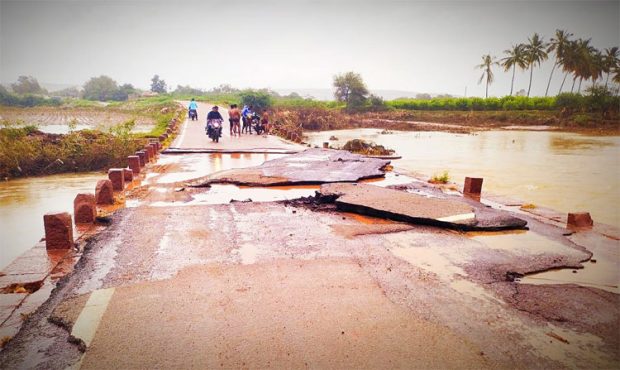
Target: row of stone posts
[{"x": 58, "y": 225}]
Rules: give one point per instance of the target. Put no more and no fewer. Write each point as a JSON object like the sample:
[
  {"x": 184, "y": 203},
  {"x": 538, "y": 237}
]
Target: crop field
[{"x": 99, "y": 118}]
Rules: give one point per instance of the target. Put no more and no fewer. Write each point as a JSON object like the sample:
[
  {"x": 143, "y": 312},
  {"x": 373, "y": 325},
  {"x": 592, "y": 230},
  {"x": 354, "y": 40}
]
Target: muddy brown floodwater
[
  {"x": 23, "y": 202},
  {"x": 564, "y": 171}
]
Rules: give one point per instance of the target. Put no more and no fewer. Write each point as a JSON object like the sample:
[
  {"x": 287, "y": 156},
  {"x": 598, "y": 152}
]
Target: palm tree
[
  {"x": 611, "y": 60},
  {"x": 487, "y": 62},
  {"x": 596, "y": 66},
  {"x": 535, "y": 54},
  {"x": 557, "y": 44},
  {"x": 585, "y": 62},
  {"x": 568, "y": 61},
  {"x": 515, "y": 58}
]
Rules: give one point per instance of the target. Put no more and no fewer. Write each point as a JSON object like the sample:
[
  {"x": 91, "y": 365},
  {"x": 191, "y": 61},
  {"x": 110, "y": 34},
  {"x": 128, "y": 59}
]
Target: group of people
[
  {"x": 245, "y": 116},
  {"x": 236, "y": 117}
]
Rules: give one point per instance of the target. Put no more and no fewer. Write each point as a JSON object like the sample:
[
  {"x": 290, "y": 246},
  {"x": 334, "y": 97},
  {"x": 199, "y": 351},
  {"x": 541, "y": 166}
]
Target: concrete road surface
[{"x": 193, "y": 136}]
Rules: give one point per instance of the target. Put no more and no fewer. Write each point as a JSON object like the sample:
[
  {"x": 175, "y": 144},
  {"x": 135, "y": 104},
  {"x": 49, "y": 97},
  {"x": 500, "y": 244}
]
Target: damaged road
[
  {"x": 319, "y": 281},
  {"x": 312, "y": 166},
  {"x": 397, "y": 205}
]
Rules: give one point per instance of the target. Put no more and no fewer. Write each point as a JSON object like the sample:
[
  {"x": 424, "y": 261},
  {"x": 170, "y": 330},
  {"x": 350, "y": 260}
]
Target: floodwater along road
[
  {"x": 177, "y": 281},
  {"x": 564, "y": 171}
]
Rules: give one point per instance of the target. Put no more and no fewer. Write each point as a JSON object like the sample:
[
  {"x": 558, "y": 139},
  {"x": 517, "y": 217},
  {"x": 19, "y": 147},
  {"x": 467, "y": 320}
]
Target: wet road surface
[
  {"x": 193, "y": 136},
  {"x": 294, "y": 284}
]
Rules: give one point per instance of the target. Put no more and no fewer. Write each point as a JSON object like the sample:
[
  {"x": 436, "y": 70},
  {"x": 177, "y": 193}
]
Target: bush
[
  {"x": 367, "y": 148},
  {"x": 14, "y": 100},
  {"x": 581, "y": 119},
  {"x": 25, "y": 151},
  {"x": 259, "y": 100},
  {"x": 569, "y": 102}
]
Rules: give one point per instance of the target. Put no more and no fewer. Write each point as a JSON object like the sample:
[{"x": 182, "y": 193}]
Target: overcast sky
[{"x": 405, "y": 45}]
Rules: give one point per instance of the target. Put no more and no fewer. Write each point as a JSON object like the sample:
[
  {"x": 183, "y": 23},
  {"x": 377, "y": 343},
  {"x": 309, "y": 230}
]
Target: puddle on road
[
  {"x": 390, "y": 179},
  {"x": 192, "y": 166},
  {"x": 248, "y": 253},
  {"x": 603, "y": 274},
  {"x": 225, "y": 193}
]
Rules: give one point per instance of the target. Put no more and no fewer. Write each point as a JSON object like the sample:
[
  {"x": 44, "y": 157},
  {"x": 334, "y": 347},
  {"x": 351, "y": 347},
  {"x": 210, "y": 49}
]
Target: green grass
[{"x": 442, "y": 178}]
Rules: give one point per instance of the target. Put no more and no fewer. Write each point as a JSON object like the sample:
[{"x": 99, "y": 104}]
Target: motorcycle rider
[
  {"x": 193, "y": 107},
  {"x": 214, "y": 114}
]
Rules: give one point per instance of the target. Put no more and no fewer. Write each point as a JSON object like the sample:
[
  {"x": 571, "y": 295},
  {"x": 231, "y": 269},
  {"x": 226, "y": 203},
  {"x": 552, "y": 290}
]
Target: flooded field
[
  {"x": 60, "y": 120},
  {"x": 65, "y": 129},
  {"x": 563, "y": 171}
]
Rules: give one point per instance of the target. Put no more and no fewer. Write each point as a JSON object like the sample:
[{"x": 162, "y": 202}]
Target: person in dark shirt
[{"x": 214, "y": 114}]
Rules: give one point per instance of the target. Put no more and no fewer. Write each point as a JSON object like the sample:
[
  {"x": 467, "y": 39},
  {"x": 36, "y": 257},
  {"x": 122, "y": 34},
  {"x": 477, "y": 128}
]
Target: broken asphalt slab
[
  {"x": 413, "y": 208},
  {"x": 312, "y": 166}
]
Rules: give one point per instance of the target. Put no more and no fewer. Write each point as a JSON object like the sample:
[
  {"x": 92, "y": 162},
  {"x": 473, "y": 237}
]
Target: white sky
[{"x": 412, "y": 46}]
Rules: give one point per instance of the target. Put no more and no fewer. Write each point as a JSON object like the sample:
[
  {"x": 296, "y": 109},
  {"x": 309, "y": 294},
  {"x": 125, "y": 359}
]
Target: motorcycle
[
  {"x": 193, "y": 114},
  {"x": 258, "y": 125},
  {"x": 214, "y": 129}
]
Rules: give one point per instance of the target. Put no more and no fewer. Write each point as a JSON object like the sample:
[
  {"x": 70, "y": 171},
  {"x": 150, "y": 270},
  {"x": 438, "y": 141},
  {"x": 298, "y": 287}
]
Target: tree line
[
  {"x": 576, "y": 58},
  {"x": 27, "y": 91}
]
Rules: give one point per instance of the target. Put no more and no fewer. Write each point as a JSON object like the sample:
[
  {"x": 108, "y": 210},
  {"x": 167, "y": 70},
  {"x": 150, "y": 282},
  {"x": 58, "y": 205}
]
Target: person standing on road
[
  {"x": 246, "y": 117},
  {"x": 235, "y": 117},
  {"x": 264, "y": 120}
]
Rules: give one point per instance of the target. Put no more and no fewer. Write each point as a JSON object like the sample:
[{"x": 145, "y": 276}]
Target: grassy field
[{"x": 26, "y": 151}]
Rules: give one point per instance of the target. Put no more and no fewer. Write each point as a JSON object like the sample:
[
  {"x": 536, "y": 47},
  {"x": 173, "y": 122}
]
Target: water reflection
[{"x": 23, "y": 202}]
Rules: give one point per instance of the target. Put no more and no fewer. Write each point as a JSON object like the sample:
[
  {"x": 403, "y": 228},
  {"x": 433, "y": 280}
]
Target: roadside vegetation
[{"x": 26, "y": 151}]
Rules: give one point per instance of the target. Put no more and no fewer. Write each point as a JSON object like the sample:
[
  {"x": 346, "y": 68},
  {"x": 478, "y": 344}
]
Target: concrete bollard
[
  {"x": 326, "y": 145},
  {"x": 117, "y": 177},
  {"x": 162, "y": 138},
  {"x": 143, "y": 159},
  {"x": 127, "y": 174},
  {"x": 147, "y": 152},
  {"x": 104, "y": 192},
  {"x": 84, "y": 210},
  {"x": 58, "y": 230},
  {"x": 579, "y": 220},
  {"x": 154, "y": 148},
  {"x": 473, "y": 186},
  {"x": 133, "y": 162}
]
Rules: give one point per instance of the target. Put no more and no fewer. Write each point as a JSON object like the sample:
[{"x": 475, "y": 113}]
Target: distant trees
[
  {"x": 224, "y": 89},
  {"x": 104, "y": 88},
  {"x": 158, "y": 85},
  {"x": 258, "y": 99},
  {"x": 487, "y": 73},
  {"x": 576, "y": 57},
  {"x": 350, "y": 89},
  {"x": 69, "y": 92},
  {"x": 27, "y": 85}
]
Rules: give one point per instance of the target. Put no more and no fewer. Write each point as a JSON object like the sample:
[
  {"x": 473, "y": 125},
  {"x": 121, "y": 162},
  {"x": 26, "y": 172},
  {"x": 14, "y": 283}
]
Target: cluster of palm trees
[{"x": 576, "y": 57}]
